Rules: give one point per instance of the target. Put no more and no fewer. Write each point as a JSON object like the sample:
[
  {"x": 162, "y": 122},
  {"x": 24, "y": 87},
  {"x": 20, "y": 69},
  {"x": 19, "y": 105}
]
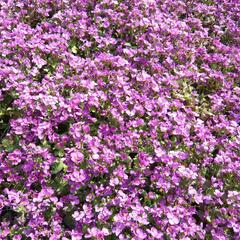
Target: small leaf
[
  {"x": 74, "y": 49},
  {"x": 58, "y": 152},
  {"x": 68, "y": 221},
  {"x": 8, "y": 145},
  {"x": 128, "y": 44},
  {"x": 58, "y": 167}
]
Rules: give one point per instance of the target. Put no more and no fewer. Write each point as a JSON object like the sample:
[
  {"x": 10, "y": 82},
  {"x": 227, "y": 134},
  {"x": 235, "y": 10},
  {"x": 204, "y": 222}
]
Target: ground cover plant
[{"x": 119, "y": 119}]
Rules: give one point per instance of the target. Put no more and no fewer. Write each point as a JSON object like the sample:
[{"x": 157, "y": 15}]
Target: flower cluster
[{"x": 119, "y": 119}]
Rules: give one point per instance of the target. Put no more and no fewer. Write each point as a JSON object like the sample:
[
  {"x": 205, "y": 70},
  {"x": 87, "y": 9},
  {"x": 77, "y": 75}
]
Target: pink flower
[
  {"x": 77, "y": 157},
  {"x": 140, "y": 233},
  {"x": 172, "y": 219}
]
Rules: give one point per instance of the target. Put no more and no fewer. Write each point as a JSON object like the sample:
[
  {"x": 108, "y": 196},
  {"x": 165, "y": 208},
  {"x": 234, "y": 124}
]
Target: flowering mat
[{"x": 119, "y": 119}]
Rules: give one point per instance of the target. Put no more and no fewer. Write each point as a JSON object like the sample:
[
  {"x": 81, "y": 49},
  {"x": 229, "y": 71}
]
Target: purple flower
[{"x": 119, "y": 119}]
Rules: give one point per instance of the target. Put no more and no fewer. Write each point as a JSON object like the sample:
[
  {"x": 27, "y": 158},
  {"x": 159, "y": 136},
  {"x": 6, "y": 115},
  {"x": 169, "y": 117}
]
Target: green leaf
[
  {"x": 74, "y": 49},
  {"x": 68, "y": 221},
  {"x": 48, "y": 213},
  {"x": 8, "y": 145},
  {"x": 111, "y": 237},
  {"x": 59, "y": 152},
  {"x": 58, "y": 167},
  {"x": 128, "y": 44}
]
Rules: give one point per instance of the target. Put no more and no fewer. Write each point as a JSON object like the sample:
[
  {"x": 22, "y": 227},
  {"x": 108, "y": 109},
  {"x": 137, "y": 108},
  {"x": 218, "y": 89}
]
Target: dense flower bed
[{"x": 119, "y": 119}]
